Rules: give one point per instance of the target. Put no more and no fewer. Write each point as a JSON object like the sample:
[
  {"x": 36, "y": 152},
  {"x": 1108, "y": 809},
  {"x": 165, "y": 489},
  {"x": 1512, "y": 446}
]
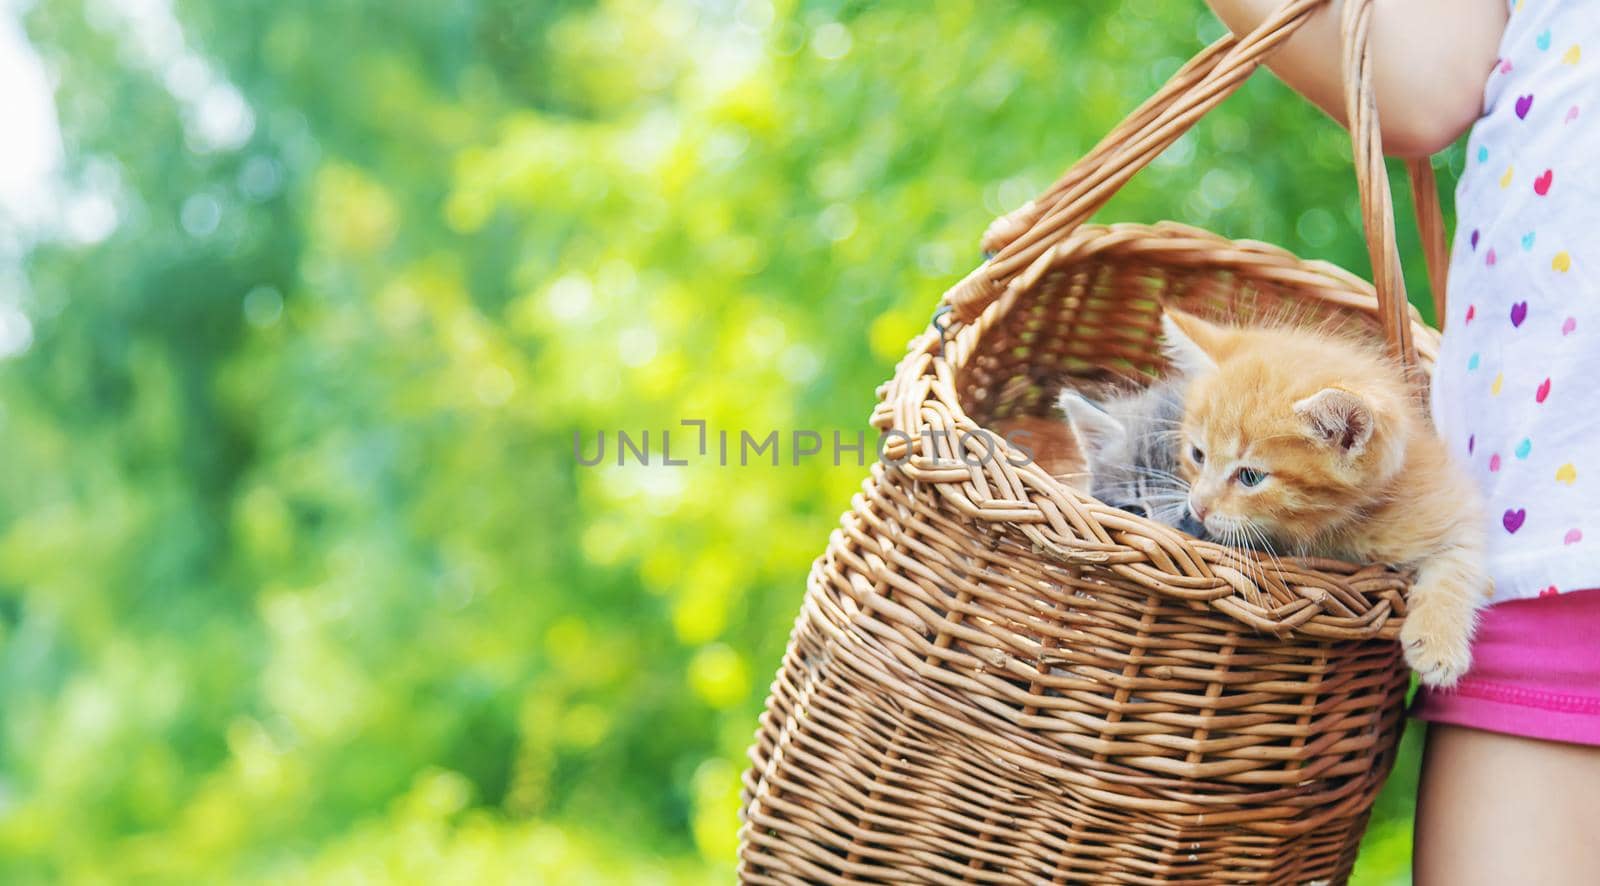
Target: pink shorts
[{"x": 1535, "y": 672}]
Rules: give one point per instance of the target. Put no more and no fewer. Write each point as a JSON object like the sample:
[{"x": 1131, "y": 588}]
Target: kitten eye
[
  {"x": 1250, "y": 477},
  {"x": 1198, "y": 456}
]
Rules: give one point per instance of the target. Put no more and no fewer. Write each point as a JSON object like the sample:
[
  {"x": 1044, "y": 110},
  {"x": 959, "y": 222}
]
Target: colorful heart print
[
  {"x": 1519, "y": 313},
  {"x": 1572, "y": 55},
  {"x": 1527, "y": 241},
  {"x": 1472, "y": 363},
  {"x": 1490, "y": 258},
  {"x": 1541, "y": 185},
  {"x": 1543, "y": 40},
  {"x": 1524, "y": 105},
  {"x": 1572, "y": 537},
  {"x": 1494, "y": 463},
  {"x": 1523, "y": 448},
  {"x": 1472, "y": 311},
  {"x": 1567, "y": 475},
  {"x": 1571, "y": 324},
  {"x": 1572, "y": 114},
  {"x": 1474, "y": 238},
  {"x": 1513, "y": 519},
  {"x": 1561, "y": 261},
  {"x": 1541, "y": 393}
]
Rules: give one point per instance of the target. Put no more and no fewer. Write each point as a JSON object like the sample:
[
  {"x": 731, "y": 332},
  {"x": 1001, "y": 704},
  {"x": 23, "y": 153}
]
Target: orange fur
[{"x": 1345, "y": 463}]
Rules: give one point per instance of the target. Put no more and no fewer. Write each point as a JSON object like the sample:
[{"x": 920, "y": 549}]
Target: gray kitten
[{"x": 1130, "y": 442}]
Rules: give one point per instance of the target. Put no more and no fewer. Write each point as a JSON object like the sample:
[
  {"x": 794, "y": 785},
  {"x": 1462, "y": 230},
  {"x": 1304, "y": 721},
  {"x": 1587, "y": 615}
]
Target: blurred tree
[{"x": 297, "y": 575}]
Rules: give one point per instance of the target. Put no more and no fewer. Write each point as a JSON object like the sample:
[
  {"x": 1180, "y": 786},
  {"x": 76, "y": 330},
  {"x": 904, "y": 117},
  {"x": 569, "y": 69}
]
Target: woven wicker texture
[{"x": 996, "y": 679}]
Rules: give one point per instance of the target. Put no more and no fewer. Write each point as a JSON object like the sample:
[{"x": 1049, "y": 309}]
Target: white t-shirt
[{"x": 1516, "y": 391}]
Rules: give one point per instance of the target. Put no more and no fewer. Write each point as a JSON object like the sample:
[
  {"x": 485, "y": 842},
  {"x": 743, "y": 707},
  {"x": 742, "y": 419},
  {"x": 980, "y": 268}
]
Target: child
[{"x": 1511, "y": 774}]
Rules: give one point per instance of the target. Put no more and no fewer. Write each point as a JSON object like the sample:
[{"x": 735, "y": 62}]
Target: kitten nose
[{"x": 1199, "y": 510}]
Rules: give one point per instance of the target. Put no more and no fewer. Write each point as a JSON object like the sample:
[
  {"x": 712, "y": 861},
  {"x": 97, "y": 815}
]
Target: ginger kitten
[{"x": 1315, "y": 444}]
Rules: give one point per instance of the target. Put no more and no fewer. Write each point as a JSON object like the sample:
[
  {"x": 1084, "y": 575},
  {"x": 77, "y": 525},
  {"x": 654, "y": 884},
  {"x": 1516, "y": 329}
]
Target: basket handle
[{"x": 1018, "y": 239}]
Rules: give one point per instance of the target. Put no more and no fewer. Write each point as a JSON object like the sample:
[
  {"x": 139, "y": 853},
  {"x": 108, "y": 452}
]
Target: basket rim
[
  {"x": 1266, "y": 261},
  {"x": 1315, "y": 598}
]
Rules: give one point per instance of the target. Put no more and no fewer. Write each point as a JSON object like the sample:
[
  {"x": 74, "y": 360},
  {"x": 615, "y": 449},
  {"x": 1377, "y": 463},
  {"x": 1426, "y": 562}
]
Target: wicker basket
[{"x": 996, "y": 679}]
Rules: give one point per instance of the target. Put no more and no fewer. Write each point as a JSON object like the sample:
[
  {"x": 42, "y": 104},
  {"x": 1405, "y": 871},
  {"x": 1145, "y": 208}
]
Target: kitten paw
[{"x": 1437, "y": 644}]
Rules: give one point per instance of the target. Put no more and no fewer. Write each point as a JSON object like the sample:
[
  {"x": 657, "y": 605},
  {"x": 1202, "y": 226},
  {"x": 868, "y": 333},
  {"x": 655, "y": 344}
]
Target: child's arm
[{"x": 1430, "y": 60}]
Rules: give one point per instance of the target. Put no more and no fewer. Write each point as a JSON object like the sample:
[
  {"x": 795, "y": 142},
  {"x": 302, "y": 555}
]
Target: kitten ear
[
  {"x": 1095, "y": 429},
  {"x": 1338, "y": 417},
  {"x": 1189, "y": 342}
]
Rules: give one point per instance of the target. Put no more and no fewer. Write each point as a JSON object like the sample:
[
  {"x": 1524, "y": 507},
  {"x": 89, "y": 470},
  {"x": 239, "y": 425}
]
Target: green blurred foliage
[{"x": 299, "y": 577}]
